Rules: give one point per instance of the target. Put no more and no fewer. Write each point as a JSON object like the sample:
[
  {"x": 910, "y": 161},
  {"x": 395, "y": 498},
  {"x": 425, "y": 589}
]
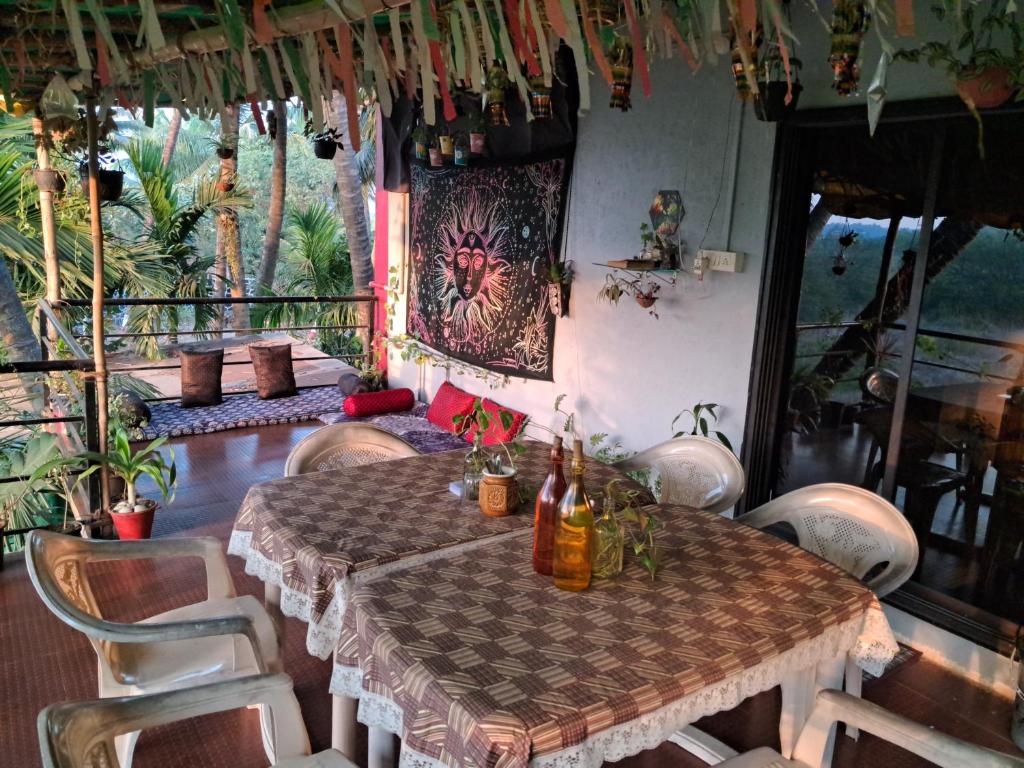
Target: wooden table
[
  {"x": 311, "y": 538},
  {"x": 475, "y": 660}
]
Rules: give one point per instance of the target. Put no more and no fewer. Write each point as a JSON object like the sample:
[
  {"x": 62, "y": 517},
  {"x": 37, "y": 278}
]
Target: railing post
[
  {"x": 44, "y": 353},
  {"x": 370, "y": 333},
  {"x": 92, "y": 442}
]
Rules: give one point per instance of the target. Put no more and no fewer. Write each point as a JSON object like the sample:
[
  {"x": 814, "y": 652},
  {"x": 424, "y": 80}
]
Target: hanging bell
[
  {"x": 540, "y": 99},
  {"x": 621, "y": 55},
  {"x": 497, "y": 82}
]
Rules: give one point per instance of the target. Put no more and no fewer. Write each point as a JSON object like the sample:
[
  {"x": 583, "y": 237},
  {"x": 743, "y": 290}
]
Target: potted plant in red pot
[{"x": 133, "y": 515}]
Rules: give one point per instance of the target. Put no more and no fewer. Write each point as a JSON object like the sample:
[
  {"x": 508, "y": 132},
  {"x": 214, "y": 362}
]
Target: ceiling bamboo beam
[{"x": 285, "y": 22}]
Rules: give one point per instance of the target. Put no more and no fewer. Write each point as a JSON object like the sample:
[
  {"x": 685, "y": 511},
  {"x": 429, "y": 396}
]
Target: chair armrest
[
  {"x": 925, "y": 742},
  {"x": 68, "y": 731},
  {"x": 218, "y": 578}
]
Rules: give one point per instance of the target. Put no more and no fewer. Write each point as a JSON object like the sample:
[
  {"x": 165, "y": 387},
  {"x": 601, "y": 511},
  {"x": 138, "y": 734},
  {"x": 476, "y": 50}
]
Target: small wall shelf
[{"x": 661, "y": 274}]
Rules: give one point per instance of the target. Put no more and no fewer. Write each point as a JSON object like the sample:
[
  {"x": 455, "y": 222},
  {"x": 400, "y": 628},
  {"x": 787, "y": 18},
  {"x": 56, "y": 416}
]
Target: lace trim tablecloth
[
  {"x": 313, "y": 535},
  {"x": 475, "y": 661}
]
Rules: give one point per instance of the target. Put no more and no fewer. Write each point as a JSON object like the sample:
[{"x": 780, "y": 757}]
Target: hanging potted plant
[
  {"x": 49, "y": 180},
  {"x": 645, "y": 294},
  {"x": 133, "y": 515},
  {"x": 560, "y": 275},
  {"x": 111, "y": 179},
  {"x": 325, "y": 145},
  {"x": 985, "y": 61},
  {"x": 773, "y": 89},
  {"x": 225, "y": 146}
]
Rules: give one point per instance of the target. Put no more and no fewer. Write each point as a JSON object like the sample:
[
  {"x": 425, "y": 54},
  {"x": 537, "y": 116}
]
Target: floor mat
[{"x": 171, "y": 420}]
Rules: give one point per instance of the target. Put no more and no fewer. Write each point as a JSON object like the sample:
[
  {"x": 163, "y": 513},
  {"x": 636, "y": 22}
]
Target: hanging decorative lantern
[
  {"x": 497, "y": 82},
  {"x": 621, "y": 58},
  {"x": 744, "y": 61},
  {"x": 839, "y": 263},
  {"x": 540, "y": 98},
  {"x": 850, "y": 22}
]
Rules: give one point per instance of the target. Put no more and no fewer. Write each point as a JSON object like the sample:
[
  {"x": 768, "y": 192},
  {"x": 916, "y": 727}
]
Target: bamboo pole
[
  {"x": 96, "y": 231},
  {"x": 42, "y": 141}
]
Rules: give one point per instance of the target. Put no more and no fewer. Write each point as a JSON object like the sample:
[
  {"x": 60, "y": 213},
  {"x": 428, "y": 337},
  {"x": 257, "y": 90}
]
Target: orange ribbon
[
  {"x": 343, "y": 34},
  {"x": 594, "y": 44},
  {"x": 257, "y": 116},
  {"x": 102, "y": 64},
  {"x": 639, "y": 57},
  {"x": 261, "y": 28},
  {"x": 905, "y": 18},
  {"x": 687, "y": 53},
  {"x": 556, "y": 18}
]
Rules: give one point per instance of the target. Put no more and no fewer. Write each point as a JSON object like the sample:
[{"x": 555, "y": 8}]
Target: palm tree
[
  {"x": 171, "y": 232},
  {"x": 227, "y": 217},
  {"x": 316, "y": 252},
  {"x": 275, "y": 211},
  {"x": 353, "y": 205}
]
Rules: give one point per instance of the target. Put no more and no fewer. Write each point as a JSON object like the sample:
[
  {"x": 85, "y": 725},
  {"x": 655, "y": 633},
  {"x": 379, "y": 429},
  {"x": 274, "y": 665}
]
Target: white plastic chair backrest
[
  {"x": 850, "y": 527},
  {"x": 345, "y": 445},
  {"x": 81, "y": 734},
  {"x": 694, "y": 471},
  {"x": 932, "y": 745}
]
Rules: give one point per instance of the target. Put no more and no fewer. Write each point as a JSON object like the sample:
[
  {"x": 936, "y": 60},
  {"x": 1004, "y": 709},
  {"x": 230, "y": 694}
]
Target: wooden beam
[
  {"x": 99, "y": 353},
  {"x": 286, "y": 22}
]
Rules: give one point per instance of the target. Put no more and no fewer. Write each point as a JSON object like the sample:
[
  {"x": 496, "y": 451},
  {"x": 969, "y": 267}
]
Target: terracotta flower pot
[
  {"x": 985, "y": 89},
  {"x": 499, "y": 494},
  {"x": 646, "y": 301},
  {"x": 48, "y": 180},
  {"x": 131, "y": 526}
]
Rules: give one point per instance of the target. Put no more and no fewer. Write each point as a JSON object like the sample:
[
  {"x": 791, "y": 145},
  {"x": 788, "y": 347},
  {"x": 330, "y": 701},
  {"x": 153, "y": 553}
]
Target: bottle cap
[{"x": 577, "y": 449}]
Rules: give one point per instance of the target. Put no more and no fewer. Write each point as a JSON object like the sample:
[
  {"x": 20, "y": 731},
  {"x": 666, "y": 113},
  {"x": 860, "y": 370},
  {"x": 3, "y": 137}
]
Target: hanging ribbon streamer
[
  {"x": 542, "y": 42},
  {"x": 639, "y": 56},
  {"x": 150, "y": 27},
  {"x": 905, "y": 18},
  {"x": 293, "y": 68},
  {"x": 515, "y": 29},
  {"x": 748, "y": 17},
  {"x": 397, "y": 43},
  {"x": 787, "y": 66},
  {"x": 257, "y": 117},
  {"x": 594, "y": 44},
  {"x": 343, "y": 37},
  {"x": 455, "y": 25},
  {"x": 232, "y": 21},
  {"x": 556, "y": 19},
  {"x": 148, "y": 97},
  {"x": 410, "y": 74},
  {"x": 687, "y": 52},
  {"x": 578, "y": 53},
  {"x": 273, "y": 72},
  {"x": 428, "y": 40},
  {"x": 374, "y": 61},
  {"x": 312, "y": 72},
  {"x": 211, "y": 74},
  {"x": 77, "y": 36},
  {"x": 261, "y": 29},
  {"x": 508, "y": 53},
  {"x": 487, "y": 34},
  {"x": 878, "y": 91},
  {"x": 103, "y": 32},
  {"x": 102, "y": 64},
  {"x": 476, "y": 77},
  {"x": 249, "y": 73}
]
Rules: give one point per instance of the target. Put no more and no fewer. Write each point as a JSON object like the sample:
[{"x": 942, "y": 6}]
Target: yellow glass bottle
[{"x": 574, "y": 531}]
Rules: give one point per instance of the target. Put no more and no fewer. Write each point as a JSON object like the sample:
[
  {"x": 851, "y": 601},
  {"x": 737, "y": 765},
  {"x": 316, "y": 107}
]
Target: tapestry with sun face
[{"x": 482, "y": 239}]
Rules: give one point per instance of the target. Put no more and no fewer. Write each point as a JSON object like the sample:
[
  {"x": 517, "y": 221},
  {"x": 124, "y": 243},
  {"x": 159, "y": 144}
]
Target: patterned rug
[{"x": 171, "y": 420}]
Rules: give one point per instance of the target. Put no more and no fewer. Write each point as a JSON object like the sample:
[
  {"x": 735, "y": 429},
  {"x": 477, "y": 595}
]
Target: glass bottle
[
  {"x": 609, "y": 543},
  {"x": 473, "y": 469},
  {"x": 545, "y": 511},
  {"x": 571, "y": 559}
]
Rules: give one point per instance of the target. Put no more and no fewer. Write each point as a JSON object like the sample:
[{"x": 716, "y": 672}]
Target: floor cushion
[
  {"x": 373, "y": 403},
  {"x": 200, "y": 377},
  {"x": 496, "y": 431},
  {"x": 449, "y": 402},
  {"x": 273, "y": 366},
  {"x": 350, "y": 383}
]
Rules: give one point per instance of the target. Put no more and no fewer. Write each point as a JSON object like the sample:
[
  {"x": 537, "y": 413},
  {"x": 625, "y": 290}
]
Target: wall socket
[{"x": 723, "y": 261}]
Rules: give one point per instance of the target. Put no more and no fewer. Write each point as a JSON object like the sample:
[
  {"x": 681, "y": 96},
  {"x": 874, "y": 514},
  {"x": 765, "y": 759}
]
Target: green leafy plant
[
  {"x": 642, "y": 526},
  {"x": 35, "y": 460},
  {"x": 561, "y": 272},
  {"x": 512, "y": 449},
  {"x": 699, "y": 416},
  {"x": 131, "y": 466}
]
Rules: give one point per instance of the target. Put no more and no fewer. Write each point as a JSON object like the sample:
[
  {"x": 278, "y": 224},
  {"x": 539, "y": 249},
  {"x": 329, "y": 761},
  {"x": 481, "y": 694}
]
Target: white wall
[{"x": 625, "y": 372}]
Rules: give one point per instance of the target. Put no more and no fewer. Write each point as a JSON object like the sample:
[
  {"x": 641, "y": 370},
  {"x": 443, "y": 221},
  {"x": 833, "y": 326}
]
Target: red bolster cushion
[
  {"x": 449, "y": 402},
  {"x": 496, "y": 432},
  {"x": 373, "y": 403}
]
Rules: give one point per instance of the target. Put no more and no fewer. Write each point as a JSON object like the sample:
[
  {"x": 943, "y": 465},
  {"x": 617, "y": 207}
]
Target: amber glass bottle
[
  {"x": 571, "y": 560},
  {"x": 545, "y": 511}
]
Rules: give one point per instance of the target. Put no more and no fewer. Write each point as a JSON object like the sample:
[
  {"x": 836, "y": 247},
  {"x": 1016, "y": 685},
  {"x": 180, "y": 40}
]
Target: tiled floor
[{"x": 42, "y": 661}]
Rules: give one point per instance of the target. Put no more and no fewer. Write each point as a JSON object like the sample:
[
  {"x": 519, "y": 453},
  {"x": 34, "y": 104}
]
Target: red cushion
[
  {"x": 450, "y": 401},
  {"x": 385, "y": 401},
  {"x": 496, "y": 432}
]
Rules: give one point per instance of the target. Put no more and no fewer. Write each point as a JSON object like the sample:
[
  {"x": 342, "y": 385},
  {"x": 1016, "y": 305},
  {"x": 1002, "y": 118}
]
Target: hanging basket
[
  {"x": 48, "y": 180},
  {"x": 324, "y": 147},
  {"x": 646, "y": 300},
  {"x": 985, "y": 88},
  {"x": 111, "y": 182},
  {"x": 770, "y": 102}
]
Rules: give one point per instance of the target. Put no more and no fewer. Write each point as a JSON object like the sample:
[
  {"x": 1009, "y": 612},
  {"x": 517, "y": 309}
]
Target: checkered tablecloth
[
  {"x": 475, "y": 660},
  {"x": 314, "y": 535}
]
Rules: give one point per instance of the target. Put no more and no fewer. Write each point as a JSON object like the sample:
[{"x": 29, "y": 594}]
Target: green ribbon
[
  {"x": 232, "y": 21},
  {"x": 148, "y": 97},
  {"x": 294, "y": 69}
]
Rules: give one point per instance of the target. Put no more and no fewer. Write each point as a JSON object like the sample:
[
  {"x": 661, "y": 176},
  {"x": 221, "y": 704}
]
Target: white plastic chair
[
  {"x": 222, "y": 637},
  {"x": 350, "y": 444},
  {"x": 814, "y": 745},
  {"x": 694, "y": 471},
  {"x": 82, "y": 734}
]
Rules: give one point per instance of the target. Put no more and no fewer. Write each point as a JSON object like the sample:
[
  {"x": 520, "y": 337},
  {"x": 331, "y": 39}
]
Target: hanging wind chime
[
  {"x": 497, "y": 83},
  {"x": 744, "y": 60},
  {"x": 850, "y": 22},
  {"x": 621, "y": 57},
  {"x": 540, "y": 98}
]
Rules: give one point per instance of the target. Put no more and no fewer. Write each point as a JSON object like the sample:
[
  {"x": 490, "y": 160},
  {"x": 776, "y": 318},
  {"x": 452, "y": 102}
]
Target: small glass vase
[
  {"x": 473, "y": 471},
  {"x": 609, "y": 541}
]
